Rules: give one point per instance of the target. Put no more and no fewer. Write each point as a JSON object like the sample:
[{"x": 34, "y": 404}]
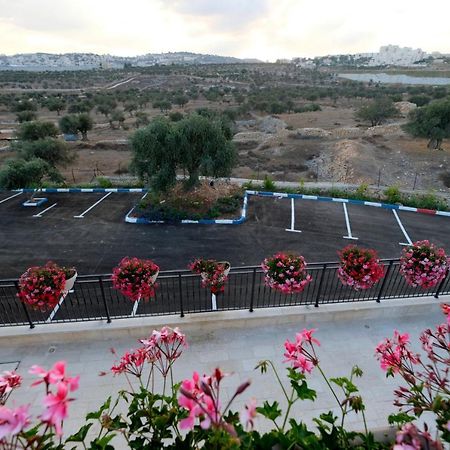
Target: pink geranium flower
[
  {"x": 56, "y": 407},
  {"x": 13, "y": 421},
  {"x": 301, "y": 353},
  {"x": 9, "y": 380},
  {"x": 423, "y": 264},
  {"x": 55, "y": 375},
  {"x": 286, "y": 273},
  {"x": 249, "y": 414}
]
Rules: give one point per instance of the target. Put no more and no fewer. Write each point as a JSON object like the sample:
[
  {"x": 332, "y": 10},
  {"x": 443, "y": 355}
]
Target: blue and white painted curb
[
  {"x": 243, "y": 216},
  {"x": 87, "y": 190},
  {"x": 140, "y": 220}
]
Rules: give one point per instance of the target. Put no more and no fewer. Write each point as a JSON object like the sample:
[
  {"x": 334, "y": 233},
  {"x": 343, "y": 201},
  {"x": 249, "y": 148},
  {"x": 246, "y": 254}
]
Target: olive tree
[
  {"x": 377, "y": 111},
  {"x": 432, "y": 122},
  {"x": 18, "y": 173},
  {"x": 204, "y": 147},
  {"x": 155, "y": 158}
]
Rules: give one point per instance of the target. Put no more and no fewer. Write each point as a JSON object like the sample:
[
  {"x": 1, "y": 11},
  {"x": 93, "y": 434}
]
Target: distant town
[{"x": 389, "y": 55}]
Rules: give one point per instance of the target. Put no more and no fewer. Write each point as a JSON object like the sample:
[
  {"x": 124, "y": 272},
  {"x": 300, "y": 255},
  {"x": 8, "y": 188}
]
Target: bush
[
  {"x": 428, "y": 201},
  {"x": 393, "y": 194},
  {"x": 269, "y": 184},
  {"x": 103, "y": 182}
]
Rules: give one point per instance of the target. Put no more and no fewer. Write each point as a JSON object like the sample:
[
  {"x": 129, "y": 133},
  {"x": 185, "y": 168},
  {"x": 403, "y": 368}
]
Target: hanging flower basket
[
  {"x": 213, "y": 273},
  {"x": 423, "y": 264},
  {"x": 71, "y": 276},
  {"x": 286, "y": 273},
  {"x": 41, "y": 287},
  {"x": 135, "y": 278},
  {"x": 360, "y": 268}
]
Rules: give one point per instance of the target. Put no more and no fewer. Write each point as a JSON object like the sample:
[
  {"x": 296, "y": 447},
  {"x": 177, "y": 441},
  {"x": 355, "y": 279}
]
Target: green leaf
[
  {"x": 345, "y": 384},
  {"x": 80, "y": 435},
  {"x": 98, "y": 414},
  {"x": 400, "y": 418},
  {"x": 303, "y": 391},
  {"x": 270, "y": 411},
  {"x": 102, "y": 444}
]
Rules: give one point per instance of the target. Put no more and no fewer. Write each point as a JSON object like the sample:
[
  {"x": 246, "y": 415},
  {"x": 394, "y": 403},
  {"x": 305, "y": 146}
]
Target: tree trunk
[
  {"x": 434, "y": 144},
  {"x": 84, "y": 135}
]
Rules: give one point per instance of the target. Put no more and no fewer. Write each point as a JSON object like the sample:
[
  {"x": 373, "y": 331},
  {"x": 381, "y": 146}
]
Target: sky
[{"x": 263, "y": 29}]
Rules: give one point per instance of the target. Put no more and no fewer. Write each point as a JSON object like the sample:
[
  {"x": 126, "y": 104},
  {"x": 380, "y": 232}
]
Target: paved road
[{"x": 96, "y": 242}]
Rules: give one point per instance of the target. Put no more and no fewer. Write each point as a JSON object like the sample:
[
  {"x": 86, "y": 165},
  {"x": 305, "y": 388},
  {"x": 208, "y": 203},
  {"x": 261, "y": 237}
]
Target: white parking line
[
  {"x": 81, "y": 216},
  {"x": 292, "y": 229},
  {"x": 12, "y": 196},
  {"x": 45, "y": 210},
  {"x": 347, "y": 222},
  {"x": 403, "y": 229}
]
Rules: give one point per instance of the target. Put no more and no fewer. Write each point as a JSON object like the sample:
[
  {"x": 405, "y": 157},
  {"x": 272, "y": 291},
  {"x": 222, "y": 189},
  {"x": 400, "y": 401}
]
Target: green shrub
[
  {"x": 103, "y": 182},
  {"x": 393, "y": 194},
  {"x": 428, "y": 201},
  {"x": 269, "y": 184}
]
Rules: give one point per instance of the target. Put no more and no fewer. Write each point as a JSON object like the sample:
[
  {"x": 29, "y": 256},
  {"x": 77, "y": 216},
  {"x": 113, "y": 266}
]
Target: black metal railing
[{"x": 179, "y": 292}]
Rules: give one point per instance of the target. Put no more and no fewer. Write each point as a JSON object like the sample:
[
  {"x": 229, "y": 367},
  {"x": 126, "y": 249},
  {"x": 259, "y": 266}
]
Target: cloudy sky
[{"x": 265, "y": 29}]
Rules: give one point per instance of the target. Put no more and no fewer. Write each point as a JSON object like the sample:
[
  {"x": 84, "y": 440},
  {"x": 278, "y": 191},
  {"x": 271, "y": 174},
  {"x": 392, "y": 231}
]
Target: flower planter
[
  {"x": 154, "y": 277},
  {"x": 424, "y": 265},
  {"x": 205, "y": 276},
  {"x": 68, "y": 286},
  {"x": 135, "y": 278},
  {"x": 360, "y": 268},
  {"x": 286, "y": 273}
]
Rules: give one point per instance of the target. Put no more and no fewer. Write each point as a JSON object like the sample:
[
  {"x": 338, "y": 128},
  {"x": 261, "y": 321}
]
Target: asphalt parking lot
[{"x": 87, "y": 230}]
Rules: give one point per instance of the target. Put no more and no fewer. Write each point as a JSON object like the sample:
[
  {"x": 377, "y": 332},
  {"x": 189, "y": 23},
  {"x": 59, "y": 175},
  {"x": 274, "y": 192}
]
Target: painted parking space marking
[
  {"x": 45, "y": 210},
  {"x": 409, "y": 242},
  {"x": 347, "y": 223},
  {"x": 292, "y": 229},
  {"x": 81, "y": 216},
  {"x": 9, "y": 198}
]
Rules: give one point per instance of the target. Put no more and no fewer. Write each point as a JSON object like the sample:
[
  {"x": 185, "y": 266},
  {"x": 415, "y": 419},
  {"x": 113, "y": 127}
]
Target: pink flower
[
  {"x": 286, "y": 273},
  {"x": 301, "y": 353},
  {"x": 55, "y": 375},
  {"x": 249, "y": 414},
  {"x": 200, "y": 396},
  {"x": 8, "y": 382},
  {"x": 13, "y": 421},
  {"x": 56, "y": 407}
]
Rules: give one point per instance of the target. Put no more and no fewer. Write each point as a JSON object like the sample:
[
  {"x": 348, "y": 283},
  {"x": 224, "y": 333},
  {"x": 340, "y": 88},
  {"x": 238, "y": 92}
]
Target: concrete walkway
[{"x": 348, "y": 334}]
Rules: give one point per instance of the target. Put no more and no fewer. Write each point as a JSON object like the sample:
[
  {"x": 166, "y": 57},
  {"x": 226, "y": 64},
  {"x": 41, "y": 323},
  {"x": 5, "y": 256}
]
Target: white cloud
[{"x": 267, "y": 29}]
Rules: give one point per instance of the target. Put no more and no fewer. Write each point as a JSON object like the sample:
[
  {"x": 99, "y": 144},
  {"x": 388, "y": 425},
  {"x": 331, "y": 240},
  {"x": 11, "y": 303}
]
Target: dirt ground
[{"x": 342, "y": 152}]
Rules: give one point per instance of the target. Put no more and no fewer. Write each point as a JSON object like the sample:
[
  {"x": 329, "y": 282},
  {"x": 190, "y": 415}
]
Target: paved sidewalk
[{"x": 344, "y": 343}]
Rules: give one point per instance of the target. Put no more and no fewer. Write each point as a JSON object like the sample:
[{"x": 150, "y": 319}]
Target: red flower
[
  {"x": 42, "y": 287},
  {"x": 360, "y": 268},
  {"x": 213, "y": 273},
  {"x": 135, "y": 278}
]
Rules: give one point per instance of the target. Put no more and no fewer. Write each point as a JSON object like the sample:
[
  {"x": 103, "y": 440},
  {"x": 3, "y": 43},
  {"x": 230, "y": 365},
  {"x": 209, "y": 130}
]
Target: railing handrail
[{"x": 187, "y": 272}]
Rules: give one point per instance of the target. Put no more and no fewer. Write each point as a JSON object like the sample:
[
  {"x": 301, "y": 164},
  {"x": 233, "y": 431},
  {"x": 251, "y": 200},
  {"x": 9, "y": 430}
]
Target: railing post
[
  {"x": 319, "y": 290},
  {"x": 252, "y": 295},
  {"x": 27, "y": 313},
  {"x": 100, "y": 280},
  {"x": 441, "y": 285},
  {"x": 383, "y": 283},
  {"x": 181, "y": 295}
]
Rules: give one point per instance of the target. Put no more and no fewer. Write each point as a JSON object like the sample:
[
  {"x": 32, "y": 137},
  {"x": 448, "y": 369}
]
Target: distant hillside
[{"x": 81, "y": 61}]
